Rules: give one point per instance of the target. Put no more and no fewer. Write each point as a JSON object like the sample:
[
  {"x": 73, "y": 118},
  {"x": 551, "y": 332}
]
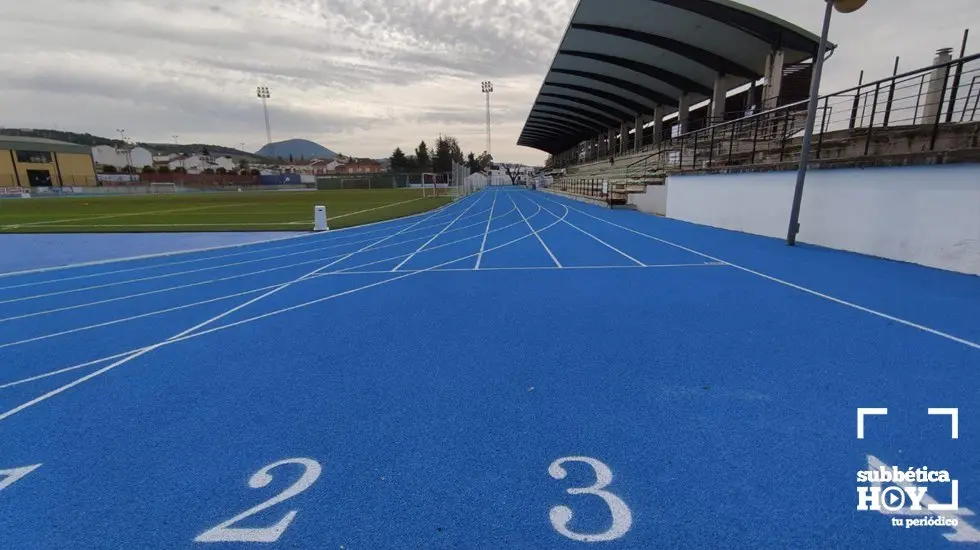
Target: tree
[
  {"x": 109, "y": 169},
  {"x": 486, "y": 160},
  {"x": 422, "y": 160},
  {"x": 208, "y": 171},
  {"x": 472, "y": 163},
  {"x": 147, "y": 169},
  {"x": 180, "y": 170},
  {"x": 399, "y": 162},
  {"x": 243, "y": 164},
  {"x": 204, "y": 152},
  {"x": 255, "y": 172},
  {"x": 290, "y": 158},
  {"x": 442, "y": 159},
  {"x": 163, "y": 169},
  {"x": 221, "y": 170}
]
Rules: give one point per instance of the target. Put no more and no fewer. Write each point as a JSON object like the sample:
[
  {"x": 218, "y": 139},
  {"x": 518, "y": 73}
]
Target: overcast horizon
[{"x": 360, "y": 77}]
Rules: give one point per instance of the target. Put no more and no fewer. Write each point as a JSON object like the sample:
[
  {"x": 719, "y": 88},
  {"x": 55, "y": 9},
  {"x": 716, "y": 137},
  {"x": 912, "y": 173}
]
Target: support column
[
  {"x": 683, "y": 112},
  {"x": 658, "y": 124},
  {"x": 638, "y": 136},
  {"x": 774, "y": 79},
  {"x": 750, "y": 108},
  {"x": 718, "y": 99}
]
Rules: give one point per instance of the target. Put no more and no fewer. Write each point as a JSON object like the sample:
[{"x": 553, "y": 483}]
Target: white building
[
  {"x": 195, "y": 164},
  {"x": 137, "y": 157}
]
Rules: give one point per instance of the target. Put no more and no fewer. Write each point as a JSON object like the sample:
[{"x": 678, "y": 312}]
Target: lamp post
[
  {"x": 487, "y": 88},
  {"x": 843, "y": 6},
  {"x": 129, "y": 153},
  {"x": 263, "y": 93},
  {"x": 179, "y": 154}
]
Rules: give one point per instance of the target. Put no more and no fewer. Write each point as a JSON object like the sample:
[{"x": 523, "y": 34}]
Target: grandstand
[{"x": 633, "y": 96}]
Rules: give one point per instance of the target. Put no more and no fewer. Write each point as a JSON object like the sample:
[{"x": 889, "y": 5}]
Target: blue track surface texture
[{"x": 512, "y": 371}]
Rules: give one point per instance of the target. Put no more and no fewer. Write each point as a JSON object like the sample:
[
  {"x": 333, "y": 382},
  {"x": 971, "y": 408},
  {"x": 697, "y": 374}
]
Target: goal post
[{"x": 159, "y": 188}]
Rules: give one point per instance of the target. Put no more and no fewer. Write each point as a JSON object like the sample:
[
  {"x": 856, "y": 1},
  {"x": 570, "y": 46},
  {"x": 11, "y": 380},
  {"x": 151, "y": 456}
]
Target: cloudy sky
[{"x": 358, "y": 76}]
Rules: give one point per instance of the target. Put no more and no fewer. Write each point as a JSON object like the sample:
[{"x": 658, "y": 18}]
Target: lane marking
[
  {"x": 535, "y": 232},
  {"x": 332, "y": 232},
  {"x": 142, "y": 351},
  {"x": 335, "y": 244},
  {"x": 436, "y": 236},
  {"x": 611, "y": 247},
  {"x": 66, "y": 369},
  {"x": 220, "y": 279},
  {"x": 810, "y": 291},
  {"x": 483, "y": 245}
]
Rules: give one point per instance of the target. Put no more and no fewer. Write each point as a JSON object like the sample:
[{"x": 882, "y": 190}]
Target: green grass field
[{"x": 248, "y": 211}]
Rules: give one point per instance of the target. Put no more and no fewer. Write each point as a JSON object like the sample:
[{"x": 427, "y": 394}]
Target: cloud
[{"x": 359, "y": 76}]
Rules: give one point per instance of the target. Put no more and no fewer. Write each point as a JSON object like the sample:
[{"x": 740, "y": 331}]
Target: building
[
  {"x": 40, "y": 162},
  {"x": 360, "y": 166},
  {"x": 196, "y": 164},
  {"x": 107, "y": 155}
]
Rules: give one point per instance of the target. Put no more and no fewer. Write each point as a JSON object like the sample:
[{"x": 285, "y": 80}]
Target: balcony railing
[{"x": 929, "y": 110}]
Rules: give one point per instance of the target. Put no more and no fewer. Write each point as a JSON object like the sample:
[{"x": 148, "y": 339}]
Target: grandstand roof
[
  {"x": 41, "y": 144},
  {"x": 622, "y": 58}
]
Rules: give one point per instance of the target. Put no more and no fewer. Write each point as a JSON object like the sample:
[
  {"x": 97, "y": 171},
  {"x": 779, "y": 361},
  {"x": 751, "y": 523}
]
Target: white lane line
[
  {"x": 142, "y": 351},
  {"x": 387, "y": 272},
  {"x": 219, "y": 279},
  {"x": 178, "y": 273},
  {"x": 351, "y": 229},
  {"x": 136, "y": 317},
  {"x": 437, "y": 247},
  {"x": 810, "y": 291},
  {"x": 597, "y": 239},
  {"x": 66, "y": 369},
  {"x": 294, "y": 281},
  {"x": 535, "y": 232},
  {"x": 479, "y": 257},
  {"x": 333, "y": 243},
  {"x": 436, "y": 236}
]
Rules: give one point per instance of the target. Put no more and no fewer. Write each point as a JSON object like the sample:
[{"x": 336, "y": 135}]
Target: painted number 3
[
  {"x": 224, "y": 532},
  {"x": 622, "y": 518}
]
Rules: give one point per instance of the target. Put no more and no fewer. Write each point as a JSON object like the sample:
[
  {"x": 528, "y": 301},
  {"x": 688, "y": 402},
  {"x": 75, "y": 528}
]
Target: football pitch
[{"x": 219, "y": 211}]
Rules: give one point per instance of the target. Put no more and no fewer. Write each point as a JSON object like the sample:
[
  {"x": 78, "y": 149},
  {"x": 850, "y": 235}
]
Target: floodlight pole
[
  {"x": 487, "y": 88},
  {"x": 794, "y": 217},
  {"x": 263, "y": 93}
]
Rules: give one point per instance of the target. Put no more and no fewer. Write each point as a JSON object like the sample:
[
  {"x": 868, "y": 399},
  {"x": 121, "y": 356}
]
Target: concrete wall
[
  {"x": 928, "y": 215},
  {"x": 652, "y": 201}
]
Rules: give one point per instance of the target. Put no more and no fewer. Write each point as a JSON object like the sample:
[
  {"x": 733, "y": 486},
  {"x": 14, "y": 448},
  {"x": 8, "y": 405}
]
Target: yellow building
[{"x": 39, "y": 162}]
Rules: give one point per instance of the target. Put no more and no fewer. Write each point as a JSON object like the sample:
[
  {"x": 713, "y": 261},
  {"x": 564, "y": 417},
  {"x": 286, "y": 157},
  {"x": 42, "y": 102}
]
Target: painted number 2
[
  {"x": 224, "y": 532},
  {"x": 622, "y": 518}
]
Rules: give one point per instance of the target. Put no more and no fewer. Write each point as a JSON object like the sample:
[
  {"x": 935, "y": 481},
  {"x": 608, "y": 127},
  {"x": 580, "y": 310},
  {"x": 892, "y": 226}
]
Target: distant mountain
[
  {"x": 298, "y": 148},
  {"x": 157, "y": 148}
]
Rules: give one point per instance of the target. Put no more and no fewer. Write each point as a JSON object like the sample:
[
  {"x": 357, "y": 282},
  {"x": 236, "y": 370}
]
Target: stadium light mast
[
  {"x": 129, "y": 152},
  {"x": 263, "y": 93},
  {"x": 487, "y": 87},
  {"x": 843, "y": 6}
]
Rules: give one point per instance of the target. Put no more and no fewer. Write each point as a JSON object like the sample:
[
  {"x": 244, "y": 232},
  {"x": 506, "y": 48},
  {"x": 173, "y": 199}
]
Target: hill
[
  {"x": 157, "y": 148},
  {"x": 298, "y": 148}
]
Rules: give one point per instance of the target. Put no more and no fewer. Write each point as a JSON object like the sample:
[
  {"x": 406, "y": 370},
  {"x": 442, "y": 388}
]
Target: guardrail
[{"x": 931, "y": 109}]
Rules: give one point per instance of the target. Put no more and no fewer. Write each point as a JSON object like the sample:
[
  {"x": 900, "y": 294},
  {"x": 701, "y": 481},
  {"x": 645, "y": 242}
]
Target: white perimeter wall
[
  {"x": 651, "y": 201},
  {"x": 928, "y": 215}
]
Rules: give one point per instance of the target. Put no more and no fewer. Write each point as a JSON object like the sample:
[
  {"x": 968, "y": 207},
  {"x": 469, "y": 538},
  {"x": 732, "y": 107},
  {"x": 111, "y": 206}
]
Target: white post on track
[{"x": 320, "y": 218}]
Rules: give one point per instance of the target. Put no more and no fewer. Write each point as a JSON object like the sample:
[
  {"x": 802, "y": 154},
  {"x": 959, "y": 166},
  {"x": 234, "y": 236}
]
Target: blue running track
[{"x": 515, "y": 370}]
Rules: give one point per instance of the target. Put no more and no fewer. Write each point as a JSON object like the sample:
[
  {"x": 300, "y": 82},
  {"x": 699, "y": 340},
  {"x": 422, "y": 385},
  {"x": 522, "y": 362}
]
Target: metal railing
[
  {"x": 931, "y": 109},
  {"x": 590, "y": 187}
]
